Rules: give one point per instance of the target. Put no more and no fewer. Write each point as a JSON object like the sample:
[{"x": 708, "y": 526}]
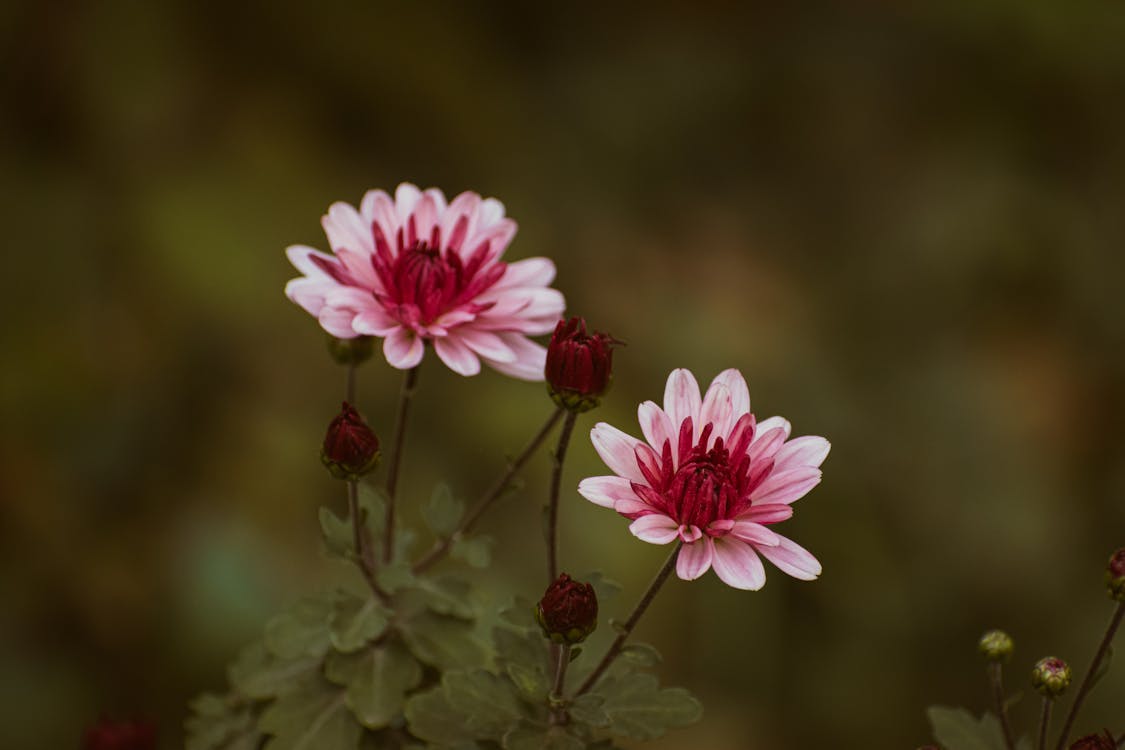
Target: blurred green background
[{"x": 905, "y": 225}]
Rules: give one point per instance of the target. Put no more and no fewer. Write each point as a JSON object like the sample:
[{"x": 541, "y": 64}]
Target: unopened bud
[
  {"x": 123, "y": 735},
  {"x": 351, "y": 351},
  {"x": 996, "y": 645},
  {"x": 579, "y": 365},
  {"x": 351, "y": 448},
  {"x": 1051, "y": 677},
  {"x": 568, "y": 611},
  {"x": 1115, "y": 575},
  {"x": 1102, "y": 741}
]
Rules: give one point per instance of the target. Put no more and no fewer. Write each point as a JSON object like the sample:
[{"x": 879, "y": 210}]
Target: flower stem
[
  {"x": 1091, "y": 673},
  {"x": 408, "y": 382},
  {"x": 1044, "y": 722},
  {"x": 562, "y": 654},
  {"x": 350, "y": 392},
  {"x": 442, "y": 546},
  {"x": 996, "y": 679},
  {"x": 553, "y": 503},
  {"x": 364, "y": 559},
  {"x": 627, "y": 628}
]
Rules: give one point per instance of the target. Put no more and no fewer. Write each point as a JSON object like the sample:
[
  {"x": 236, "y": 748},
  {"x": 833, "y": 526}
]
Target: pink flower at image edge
[
  {"x": 416, "y": 269},
  {"x": 709, "y": 475}
]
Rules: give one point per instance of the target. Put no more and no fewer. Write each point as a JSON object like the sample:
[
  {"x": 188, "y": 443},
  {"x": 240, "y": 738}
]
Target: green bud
[
  {"x": 1051, "y": 677},
  {"x": 996, "y": 645},
  {"x": 1115, "y": 575},
  {"x": 351, "y": 351}
]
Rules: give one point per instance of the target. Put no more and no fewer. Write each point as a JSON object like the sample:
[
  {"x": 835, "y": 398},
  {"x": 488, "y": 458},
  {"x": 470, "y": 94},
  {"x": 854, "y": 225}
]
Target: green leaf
[
  {"x": 372, "y": 501},
  {"x": 377, "y": 680},
  {"x": 217, "y": 725},
  {"x": 531, "y": 682},
  {"x": 527, "y": 737},
  {"x": 393, "y": 578},
  {"x": 527, "y": 648},
  {"x": 957, "y": 729},
  {"x": 641, "y": 655},
  {"x": 605, "y": 588},
  {"x": 314, "y": 717},
  {"x": 336, "y": 533},
  {"x": 302, "y": 631},
  {"x": 442, "y": 642},
  {"x": 258, "y": 674},
  {"x": 488, "y": 701},
  {"x": 474, "y": 551},
  {"x": 637, "y": 707},
  {"x": 355, "y": 620},
  {"x": 445, "y": 596},
  {"x": 587, "y": 709},
  {"x": 443, "y": 512},
  {"x": 520, "y": 612},
  {"x": 432, "y": 718}
]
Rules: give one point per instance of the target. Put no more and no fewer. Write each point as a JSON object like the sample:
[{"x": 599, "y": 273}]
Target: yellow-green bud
[
  {"x": 1051, "y": 677},
  {"x": 996, "y": 645}
]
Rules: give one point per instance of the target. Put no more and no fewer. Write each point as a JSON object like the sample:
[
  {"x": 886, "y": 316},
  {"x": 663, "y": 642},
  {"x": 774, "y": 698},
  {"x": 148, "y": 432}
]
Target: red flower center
[{"x": 423, "y": 281}]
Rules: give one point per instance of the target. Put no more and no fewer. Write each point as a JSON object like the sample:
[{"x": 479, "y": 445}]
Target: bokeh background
[{"x": 904, "y": 224}]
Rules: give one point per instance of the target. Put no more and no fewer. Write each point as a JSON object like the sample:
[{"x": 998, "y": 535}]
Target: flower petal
[
  {"x": 768, "y": 424},
  {"x": 717, "y": 410},
  {"x": 531, "y": 358},
  {"x": 606, "y": 491},
  {"x": 786, "y": 486},
  {"x": 656, "y": 426},
  {"x": 403, "y": 349},
  {"x": 809, "y": 450},
  {"x": 694, "y": 559},
  {"x": 737, "y": 565},
  {"x": 792, "y": 559},
  {"x": 406, "y": 197},
  {"x": 655, "y": 529},
  {"x": 486, "y": 344},
  {"x": 739, "y": 393},
  {"x": 374, "y": 322},
  {"x": 534, "y": 272},
  {"x": 346, "y": 230},
  {"x": 681, "y": 398},
  {"x": 618, "y": 450},
  {"x": 457, "y": 355},
  {"x": 755, "y": 533},
  {"x": 769, "y": 513}
]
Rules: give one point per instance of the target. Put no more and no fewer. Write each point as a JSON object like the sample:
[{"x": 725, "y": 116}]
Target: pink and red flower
[
  {"x": 711, "y": 476},
  {"x": 416, "y": 269}
]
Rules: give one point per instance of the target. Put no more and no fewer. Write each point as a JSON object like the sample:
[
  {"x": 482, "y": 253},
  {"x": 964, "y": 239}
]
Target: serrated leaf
[
  {"x": 637, "y": 707},
  {"x": 442, "y": 642},
  {"x": 520, "y": 612},
  {"x": 476, "y": 552},
  {"x": 958, "y": 729},
  {"x": 531, "y": 682},
  {"x": 302, "y": 631},
  {"x": 355, "y": 621},
  {"x": 489, "y": 702},
  {"x": 215, "y": 725},
  {"x": 377, "y": 681},
  {"x": 372, "y": 501},
  {"x": 336, "y": 534},
  {"x": 443, "y": 512},
  {"x": 588, "y": 709},
  {"x": 527, "y": 648},
  {"x": 258, "y": 674},
  {"x": 641, "y": 655},
  {"x": 445, "y": 596},
  {"x": 605, "y": 588},
  {"x": 430, "y": 717},
  {"x": 314, "y": 717},
  {"x": 394, "y": 578},
  {"x": 527, "y": 737}
]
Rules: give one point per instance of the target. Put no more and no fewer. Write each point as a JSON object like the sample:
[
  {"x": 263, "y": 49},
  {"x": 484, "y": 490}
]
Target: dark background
[{"x": 903, "y": 224}]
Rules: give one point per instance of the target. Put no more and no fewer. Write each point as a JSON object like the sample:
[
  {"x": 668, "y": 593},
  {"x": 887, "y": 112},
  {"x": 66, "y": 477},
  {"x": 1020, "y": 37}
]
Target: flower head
[
  {"x": 568, "y": 611},
  {"x": 1102, "y": 741},
  {"x": 1051, "y": 677},
  {"x": 711, "y": 476},
  {"x": 416, "y": 269},
  {"x": 1115, "y": 575},
  {"x": 351, "y": 448},
  {"x": 124, "y": 735},
  {"x": 996, "y": 645},
  {"x": 579, "y": 365}
]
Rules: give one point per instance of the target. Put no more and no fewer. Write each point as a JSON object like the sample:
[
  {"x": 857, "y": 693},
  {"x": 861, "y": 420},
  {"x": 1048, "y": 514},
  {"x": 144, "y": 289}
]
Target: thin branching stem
[
  {"x": 553, "y": 502},
  {"x": 627, "y": 629},
  {"x": 995, "y": 678},
  {"x": 1091, "y": 674},
  {"x": 409, "y": 381},
  {"x": 364, "y": 557},
  {"x": 1044, "y": 722},
  {"x": 443, "y": 545},
  {"x": 562, "y": 656}
]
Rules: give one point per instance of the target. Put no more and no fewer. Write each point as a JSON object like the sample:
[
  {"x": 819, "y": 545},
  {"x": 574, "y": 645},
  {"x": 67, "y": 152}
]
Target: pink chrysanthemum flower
[
  {"x": 416, "y": 269},
  {"x": 711, "y": 477}
]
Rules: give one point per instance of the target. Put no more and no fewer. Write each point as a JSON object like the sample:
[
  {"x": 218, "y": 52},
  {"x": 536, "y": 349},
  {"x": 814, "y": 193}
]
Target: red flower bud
[
  {"x": 126, "y": 735},
  {"x": 1115, "y": 575},
  {"x": 1095, "y": 742},
  {"x": 579, "y": 365},
  {"x": 568, "y": 611},
  {"x": 1051, "y": 677},
  {"x": 350, "y": 447}
]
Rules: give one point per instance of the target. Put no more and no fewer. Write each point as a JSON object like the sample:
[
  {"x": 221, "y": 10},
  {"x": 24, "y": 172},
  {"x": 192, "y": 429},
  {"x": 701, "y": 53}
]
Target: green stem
[
  {"x": 995, "y": 677},
  {"x": 1044, "y": 722},
  {"x": 442, "y": 546},
  {"x": 627, "y": 629},
  {"x": 562, "y": 655},
  {"x": 553, "y": 502},
  {"x": 408, "y": 382},
  {"x": 1091, "y": 673}
]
